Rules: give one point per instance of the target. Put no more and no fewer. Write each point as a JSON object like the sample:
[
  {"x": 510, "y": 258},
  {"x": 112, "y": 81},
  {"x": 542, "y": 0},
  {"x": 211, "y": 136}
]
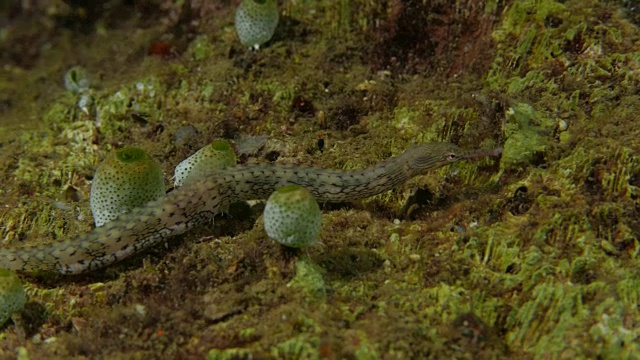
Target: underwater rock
[{"x": 185, "y": 135}]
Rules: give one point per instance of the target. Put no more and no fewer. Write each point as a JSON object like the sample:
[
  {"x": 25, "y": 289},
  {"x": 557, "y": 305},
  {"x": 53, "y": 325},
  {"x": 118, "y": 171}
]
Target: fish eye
[{"x": 451, "y": 157}]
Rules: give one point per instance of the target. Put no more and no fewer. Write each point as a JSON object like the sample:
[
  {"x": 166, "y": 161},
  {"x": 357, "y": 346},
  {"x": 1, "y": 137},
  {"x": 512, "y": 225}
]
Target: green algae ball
[
  {"x": 125, "y": 180},
  {"x": 256, "y": 21},
  {"x": 217, "y": 155},
  {"x": 77, "y": 80},
  {"x": 292, "y": 217},
  {"x": 12, "y": 295}
]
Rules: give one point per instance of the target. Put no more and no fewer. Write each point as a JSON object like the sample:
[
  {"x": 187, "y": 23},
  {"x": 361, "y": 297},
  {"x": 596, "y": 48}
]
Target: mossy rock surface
[{"x": 533, "y": 255}]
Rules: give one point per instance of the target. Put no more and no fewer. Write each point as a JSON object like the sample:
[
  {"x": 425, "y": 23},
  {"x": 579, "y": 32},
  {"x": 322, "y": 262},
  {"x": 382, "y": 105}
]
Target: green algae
[
  {"x": 12, "y": 295},
  {"x": 548, "y": 271},
  {"x": 142, "y": 97},
  {"x": 309, "y": 279},
  {"x": 77, "y": 80},
  {"x": 229, "y": 354},
  {"x": 201, "y": 48},
  {"x": 527, "y": 135},
  {"x": 300, "y": 347}
]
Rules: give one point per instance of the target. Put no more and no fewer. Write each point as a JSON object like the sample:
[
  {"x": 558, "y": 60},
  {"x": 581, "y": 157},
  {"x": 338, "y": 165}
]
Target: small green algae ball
[
  {"x": 256, "y": 21},
  {"x": 12, "y": 295},
  {"x": 292, "y": 217},
  {"x": 125, "y": 180},
  {"x": 217, "y": 155},
  {"x": 77, "y": 80}
]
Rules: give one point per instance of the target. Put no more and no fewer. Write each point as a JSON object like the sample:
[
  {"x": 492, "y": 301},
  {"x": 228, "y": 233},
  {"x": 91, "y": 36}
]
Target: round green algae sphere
[
  {"x": 77, "y": 80},
  {"x": 12, "y": 295},
  {"x": 256, "y": 21},
  {"x": 126, "y": 179},
  {"x": 292, "y": 217},
  {"x": 217, "y": 155}
]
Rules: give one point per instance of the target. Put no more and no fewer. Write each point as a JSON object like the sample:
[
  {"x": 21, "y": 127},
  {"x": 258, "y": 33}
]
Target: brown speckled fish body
[{"x": 199, "y": 201}]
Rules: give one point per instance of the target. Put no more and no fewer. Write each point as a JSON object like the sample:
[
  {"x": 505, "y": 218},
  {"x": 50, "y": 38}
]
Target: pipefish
[{"x": 199, "y": 201}]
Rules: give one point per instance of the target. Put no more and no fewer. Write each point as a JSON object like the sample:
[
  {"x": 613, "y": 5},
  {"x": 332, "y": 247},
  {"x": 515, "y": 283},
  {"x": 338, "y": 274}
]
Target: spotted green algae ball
[
  {"x": 77, "y": 80},
  {"x": 125, "y": 180},
  {"x": 256, "y": 21},
  {"x": 12, "y": 295},
  {"x": 217, "y": 155},
  {"x": 292, "y": 217}
]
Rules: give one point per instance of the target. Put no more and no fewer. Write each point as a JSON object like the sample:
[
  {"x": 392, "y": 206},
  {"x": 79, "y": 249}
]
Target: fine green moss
[
  {"x": 528, "y": 134},
  {"x": 310, "y": 279},
  {"x": 537, "y": 260}
]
